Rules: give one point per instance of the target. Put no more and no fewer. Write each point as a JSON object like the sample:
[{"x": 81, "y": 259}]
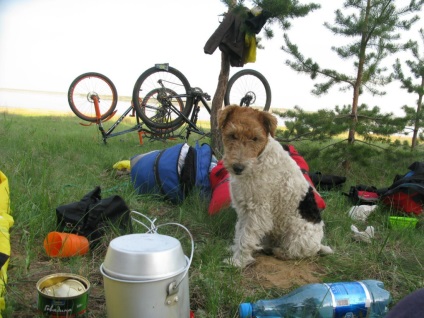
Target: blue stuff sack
[
  {"x": 203, "y": 163},
  {"x": 172, "y": 172}
]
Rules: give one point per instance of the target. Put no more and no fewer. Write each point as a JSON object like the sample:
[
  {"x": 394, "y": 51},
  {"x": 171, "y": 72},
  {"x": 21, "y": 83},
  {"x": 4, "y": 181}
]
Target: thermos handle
[{"x": 153, "y": 229}]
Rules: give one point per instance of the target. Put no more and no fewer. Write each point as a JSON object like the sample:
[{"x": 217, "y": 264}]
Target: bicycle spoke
[
  {"x": 161, "y": 97},
  {"x": 248, "y": 88},
  {"x": 161, "y": 107},
  {"x": 90, "y": 90}
]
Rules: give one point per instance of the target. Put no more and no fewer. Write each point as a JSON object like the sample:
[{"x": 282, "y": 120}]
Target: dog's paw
[
  {"x": 230, "y": 249},
  {"x": 325, "y": 250},
  {"x": 280, "y": 254},
  {"x": 237, "y": 262},
  {"x": 233, "y": 262}
]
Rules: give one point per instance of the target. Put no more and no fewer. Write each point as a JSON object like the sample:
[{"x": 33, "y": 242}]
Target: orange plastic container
[{"x": 58, "y": 244}]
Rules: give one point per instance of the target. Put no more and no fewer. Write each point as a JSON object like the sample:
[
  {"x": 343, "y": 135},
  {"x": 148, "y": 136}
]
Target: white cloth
[
  {"x": 361, "y": 212},
  {"x": 364, "y": 236},
  {"x": 182, "y": 157}
]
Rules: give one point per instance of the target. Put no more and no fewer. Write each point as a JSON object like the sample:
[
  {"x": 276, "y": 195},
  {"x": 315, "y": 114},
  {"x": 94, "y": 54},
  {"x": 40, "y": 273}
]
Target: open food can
[{"x": 63, "y": 295}]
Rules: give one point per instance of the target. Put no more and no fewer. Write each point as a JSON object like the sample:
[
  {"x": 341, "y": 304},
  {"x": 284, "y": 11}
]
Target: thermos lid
[
  {"x": 140, "y": 257},
  {"x": 245, "y": 310}
]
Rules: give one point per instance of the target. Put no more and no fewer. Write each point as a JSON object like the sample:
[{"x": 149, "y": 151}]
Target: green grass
[{"x": 52, "y": 160}]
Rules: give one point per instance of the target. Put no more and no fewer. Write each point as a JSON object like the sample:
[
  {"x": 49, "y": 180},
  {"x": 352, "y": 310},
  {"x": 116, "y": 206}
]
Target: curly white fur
[{"x": 266, "y": 197}]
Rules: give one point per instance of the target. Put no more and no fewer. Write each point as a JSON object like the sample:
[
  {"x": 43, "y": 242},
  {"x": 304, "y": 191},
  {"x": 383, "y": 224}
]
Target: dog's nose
[{"x": 238, "y": 168}]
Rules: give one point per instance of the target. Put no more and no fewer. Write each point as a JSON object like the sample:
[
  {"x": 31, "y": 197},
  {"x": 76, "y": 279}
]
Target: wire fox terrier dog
[{"x": 275, "y": 205}]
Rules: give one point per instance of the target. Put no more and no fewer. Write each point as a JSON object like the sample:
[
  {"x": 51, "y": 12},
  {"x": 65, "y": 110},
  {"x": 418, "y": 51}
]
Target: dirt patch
[{"x": 270, "y": 272}]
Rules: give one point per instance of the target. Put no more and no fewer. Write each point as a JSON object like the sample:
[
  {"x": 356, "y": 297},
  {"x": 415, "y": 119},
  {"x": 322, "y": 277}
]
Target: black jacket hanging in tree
[{"x": 229, "y": 37}]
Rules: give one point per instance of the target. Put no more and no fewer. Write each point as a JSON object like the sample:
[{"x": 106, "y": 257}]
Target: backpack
[
  {"x": 407, "y": 191},
  {"x": 172, "y": 172}
]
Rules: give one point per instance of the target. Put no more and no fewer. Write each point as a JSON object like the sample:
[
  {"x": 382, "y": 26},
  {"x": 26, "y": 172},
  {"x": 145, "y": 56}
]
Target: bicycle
[
  {"x": 93, "y": 97},
  {"x": 162, "y": 100},
  {"x": 248, "y": 88},
  {"x": 159, "y": 88}
]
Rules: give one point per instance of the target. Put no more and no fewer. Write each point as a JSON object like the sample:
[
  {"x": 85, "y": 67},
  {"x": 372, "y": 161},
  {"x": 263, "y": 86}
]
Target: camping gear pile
[
  {"x": 406, "y": 194},
  {"x": 172, "y": 173}
]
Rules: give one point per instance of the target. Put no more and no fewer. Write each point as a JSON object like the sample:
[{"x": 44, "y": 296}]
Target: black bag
[
  {"x": 363, "y": 194},
  {"x": 92, "y": 216},
  {"x": 326, "y": 182}
]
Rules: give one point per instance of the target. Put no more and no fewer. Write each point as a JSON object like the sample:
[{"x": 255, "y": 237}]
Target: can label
[
  {"x": 350, "y": 300},
  {"x": 68, "y": 308}
]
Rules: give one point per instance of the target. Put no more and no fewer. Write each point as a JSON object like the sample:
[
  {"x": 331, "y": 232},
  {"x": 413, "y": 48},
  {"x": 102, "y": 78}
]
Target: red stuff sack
[
  {"x": 409, "y": 203},
  {"x": 304, "y": 167},
  {"x": 406, "y": 194},
  {"x": 220, "y": 185}
]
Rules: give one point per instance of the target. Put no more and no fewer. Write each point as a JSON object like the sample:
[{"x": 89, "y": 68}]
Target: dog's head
[{"x": 245, "y": 134}]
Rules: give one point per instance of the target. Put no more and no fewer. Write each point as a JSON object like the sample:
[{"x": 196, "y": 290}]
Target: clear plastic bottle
[{"x": 366, "y": 298}]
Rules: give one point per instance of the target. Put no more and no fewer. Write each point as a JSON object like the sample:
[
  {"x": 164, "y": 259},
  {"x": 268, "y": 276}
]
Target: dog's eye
[
  {"x": 233, "y": 137},
  {"x": 255, "y": 138}
]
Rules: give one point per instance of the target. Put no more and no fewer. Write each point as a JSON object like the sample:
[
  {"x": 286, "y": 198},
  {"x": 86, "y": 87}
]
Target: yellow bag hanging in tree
[{"x": 249, "y": 48}]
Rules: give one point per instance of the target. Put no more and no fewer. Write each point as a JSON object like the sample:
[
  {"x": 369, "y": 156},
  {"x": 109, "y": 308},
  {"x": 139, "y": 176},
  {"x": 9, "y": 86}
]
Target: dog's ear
[
  {"x": 225, "y": 114},
  {"x": 270, "y": 123}
]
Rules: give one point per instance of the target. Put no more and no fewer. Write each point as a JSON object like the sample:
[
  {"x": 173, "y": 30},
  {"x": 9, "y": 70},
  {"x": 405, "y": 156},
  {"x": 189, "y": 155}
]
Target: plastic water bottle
[{"x": 366, "y": 298}]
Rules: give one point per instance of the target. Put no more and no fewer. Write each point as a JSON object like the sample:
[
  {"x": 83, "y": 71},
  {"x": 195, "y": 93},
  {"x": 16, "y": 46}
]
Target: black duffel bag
[{"x": 92, "y": 216}]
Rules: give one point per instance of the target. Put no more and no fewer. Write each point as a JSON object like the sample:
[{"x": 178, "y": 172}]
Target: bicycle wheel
[
  {"x": 153, "y": 111},
  {"x": 85, "y": 88},
  {"x": 158, "y": 95},
  {"x": 248, "y": 88}
]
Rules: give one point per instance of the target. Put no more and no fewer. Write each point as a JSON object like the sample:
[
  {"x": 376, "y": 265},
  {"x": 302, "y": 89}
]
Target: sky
[{"x": 45, "y": 44}]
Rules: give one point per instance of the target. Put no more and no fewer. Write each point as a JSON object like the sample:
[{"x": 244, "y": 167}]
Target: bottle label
[{"x": 350, "y": 300}]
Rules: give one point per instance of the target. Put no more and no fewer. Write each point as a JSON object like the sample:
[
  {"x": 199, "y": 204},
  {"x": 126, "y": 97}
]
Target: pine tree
[
  {"x": 373, "y": 28},
  {"x": 325, "y": 124},
  {"x": 415, "y": 116}
]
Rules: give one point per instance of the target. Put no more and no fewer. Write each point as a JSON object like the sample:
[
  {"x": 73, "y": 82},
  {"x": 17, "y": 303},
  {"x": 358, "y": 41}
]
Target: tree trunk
[
  {"x": 217, "y": 101},
  {"x": 354, "y": 113},
  {"x": 417, "y": 117},
  {"x": 358, "y": 82}
]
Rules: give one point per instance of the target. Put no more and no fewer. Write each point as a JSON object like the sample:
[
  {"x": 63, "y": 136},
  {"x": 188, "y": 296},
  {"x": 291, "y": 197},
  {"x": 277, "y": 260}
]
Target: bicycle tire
[
  {"x": 80, "y": 96},
  {"x": 159, "y": 114},
  {"x": 173, "y": 81},
  {"x": 248, "y": 88}
]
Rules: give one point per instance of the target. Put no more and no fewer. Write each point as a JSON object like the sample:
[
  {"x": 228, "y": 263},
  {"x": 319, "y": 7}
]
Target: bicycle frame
[
  {"x": 198, "y": 97},
  {"x": 192, "y": 122},
  {"x": 109, "y": 133}
]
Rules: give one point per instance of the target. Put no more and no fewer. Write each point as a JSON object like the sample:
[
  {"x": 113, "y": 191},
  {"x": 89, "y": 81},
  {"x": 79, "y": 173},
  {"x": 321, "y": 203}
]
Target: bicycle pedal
[{"x": 132, "y": 115}]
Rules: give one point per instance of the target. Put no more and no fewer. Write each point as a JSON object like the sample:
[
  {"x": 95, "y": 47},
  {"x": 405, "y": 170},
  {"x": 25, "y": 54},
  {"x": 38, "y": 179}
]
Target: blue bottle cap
[{"x": 245, "y": 310}]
